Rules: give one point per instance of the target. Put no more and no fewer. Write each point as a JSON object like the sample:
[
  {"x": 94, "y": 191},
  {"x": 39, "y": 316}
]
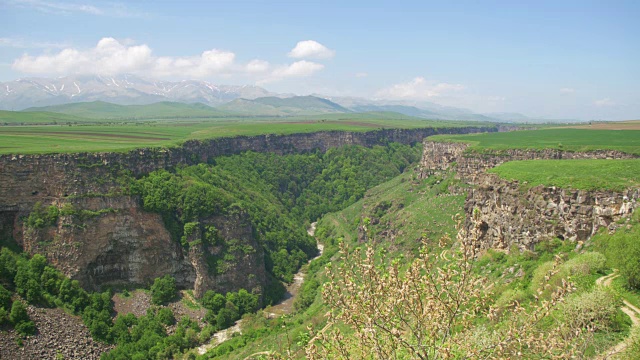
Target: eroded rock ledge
[{"x": 509, "y": 214}]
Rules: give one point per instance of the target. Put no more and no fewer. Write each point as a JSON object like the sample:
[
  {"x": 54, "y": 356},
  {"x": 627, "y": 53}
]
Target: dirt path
[
  {"x": 628, "y": 308},
  {"x": 284, "y": 307}
]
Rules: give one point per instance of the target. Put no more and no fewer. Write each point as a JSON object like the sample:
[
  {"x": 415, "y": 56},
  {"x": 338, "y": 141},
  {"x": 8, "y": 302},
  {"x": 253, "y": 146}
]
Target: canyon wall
[
  {"x": 25, "y": 179},
  {"x": 109, "y": 240},
  {"x": 508, "y": 214}
]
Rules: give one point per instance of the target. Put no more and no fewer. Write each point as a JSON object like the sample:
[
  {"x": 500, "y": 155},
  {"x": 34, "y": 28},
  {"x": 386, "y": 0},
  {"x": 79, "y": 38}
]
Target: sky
[{"x": 552, "y": 59}]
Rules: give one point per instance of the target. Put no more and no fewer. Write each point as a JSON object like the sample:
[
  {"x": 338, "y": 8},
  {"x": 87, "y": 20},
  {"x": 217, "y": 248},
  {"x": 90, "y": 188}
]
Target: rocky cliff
[
  {"x": 25, "y": 179},
  {"x": 509, "y": 214},
  {"x": 105, "y": 238},
  {"x": 111, "y": 241},
  {"x": 438, "y": 157}
]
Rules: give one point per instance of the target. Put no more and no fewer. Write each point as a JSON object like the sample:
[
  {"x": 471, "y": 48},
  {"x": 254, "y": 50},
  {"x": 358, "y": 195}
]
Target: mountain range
[
  {"x": 122, "y": 90},
  {"x": 100, "y": 96}
]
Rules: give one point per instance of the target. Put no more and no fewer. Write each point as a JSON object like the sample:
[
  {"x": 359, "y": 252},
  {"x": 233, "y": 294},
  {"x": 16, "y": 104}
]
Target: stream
[{"x": 284, "y": 307}]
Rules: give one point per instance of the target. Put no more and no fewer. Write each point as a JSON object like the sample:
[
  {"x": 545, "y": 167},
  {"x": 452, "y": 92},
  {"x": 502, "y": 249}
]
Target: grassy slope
[
  {"x": 302, "y": 102},
  {"x": 30, "y": 117},
  {"x": 565, "y": 139},
  {"x": 417, "y": 208},
  {"x": 424, "y": 210},
  {"x": 581, "y": 174},
  {"x": 123, "y": 137},
  {"x": 274, "y": 106},
  {"x": 104, "y": 110}
]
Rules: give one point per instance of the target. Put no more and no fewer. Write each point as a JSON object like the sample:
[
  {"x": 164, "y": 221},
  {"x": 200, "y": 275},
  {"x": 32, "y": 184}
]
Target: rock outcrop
[
  {"x": 119, "y": 244},
  {"x": 438, "y": 157},
  {"x": 509, "y": 214}
]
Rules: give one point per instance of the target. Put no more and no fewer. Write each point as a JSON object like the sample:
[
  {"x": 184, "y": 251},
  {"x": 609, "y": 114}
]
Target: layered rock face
[
  {"x": 25, "y": 179},
  {"x": 111, "y": 241},
  {"x": 119, "y": 244},
  {"x": 508, "y": 214}
]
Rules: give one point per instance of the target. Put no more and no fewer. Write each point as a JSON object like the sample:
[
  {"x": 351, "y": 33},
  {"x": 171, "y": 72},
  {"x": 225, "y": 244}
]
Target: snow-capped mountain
[{"x": 123, "y": 89}]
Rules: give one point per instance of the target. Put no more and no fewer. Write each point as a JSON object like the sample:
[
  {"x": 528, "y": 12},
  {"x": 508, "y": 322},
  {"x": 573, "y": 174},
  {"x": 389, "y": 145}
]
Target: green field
[
  {"x": 100, "y": 110},
  {"x": 583, "y": 174},
  {"x": 123, "y": 137},
  {"x": 36, "y": 117},
  {"x": 565, "y": 139}
]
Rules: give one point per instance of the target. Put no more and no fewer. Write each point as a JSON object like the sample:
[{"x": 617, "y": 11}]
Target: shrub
[
  {"x": 225, "y": 318},
  {"x": 41, "y": 216},
  {"x": 595, "y": 310},
  {"x": 622, "y": 250},
  {"x": 5, "y": 298},
  {"x": 587, "y": 263},
  {"x": 633, "y": 348},
  {"x": 20, "y": 319},
  {"x": 213, "y": 301},
  {"x": 163, "y": 290},
  {"x": 4, "y": 316},
  {"x": 165, "y": 316}
]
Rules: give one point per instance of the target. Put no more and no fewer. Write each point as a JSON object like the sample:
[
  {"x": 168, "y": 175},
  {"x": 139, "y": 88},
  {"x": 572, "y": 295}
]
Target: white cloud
[
  {"x": 111, "y": 57},
  {"x": 257, "y": 66},
  {"x": 604, "y": 102},
  {"x": 361, "y": 74},
  {"x": 301, "y": 68},
  {"x": 108, "y": 57},
  {"x": 567, "y": 90},
  {"x": 311, "y": 49},
  {"x": 419, "y": 89}
]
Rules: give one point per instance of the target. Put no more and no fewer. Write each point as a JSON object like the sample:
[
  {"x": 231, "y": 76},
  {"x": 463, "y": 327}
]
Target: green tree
[
  {"x": 213, "y": 301},
  {"x": 163, "y": 290},
  {"x": 20, "y": 319}
]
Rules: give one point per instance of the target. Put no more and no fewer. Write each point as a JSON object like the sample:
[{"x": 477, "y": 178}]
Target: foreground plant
[{"x": 431, "y": 311}]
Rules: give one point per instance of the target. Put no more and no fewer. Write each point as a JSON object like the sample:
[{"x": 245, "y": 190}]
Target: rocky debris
[
  {"x": 59, "y": 334},
  {"x": 136, "y": 303},
  {"x": 139, "y": 301}
]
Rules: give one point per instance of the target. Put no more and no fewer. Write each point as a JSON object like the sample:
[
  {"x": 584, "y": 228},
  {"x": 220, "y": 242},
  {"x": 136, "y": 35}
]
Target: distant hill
[
  {"x": 274, "y": 106},
  {"x": 29, "y": 117},
  {"x": 160, "y": 110},
  {"x": 402, "y": 109}
]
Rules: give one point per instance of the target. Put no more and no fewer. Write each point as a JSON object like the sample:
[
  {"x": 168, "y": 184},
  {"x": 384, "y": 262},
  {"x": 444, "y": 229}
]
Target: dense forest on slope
[{"x": 280, "y": 193}]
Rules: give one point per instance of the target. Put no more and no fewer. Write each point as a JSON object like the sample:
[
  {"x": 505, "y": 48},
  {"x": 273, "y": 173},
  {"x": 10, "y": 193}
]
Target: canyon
[{"x": 108, "y": 239}]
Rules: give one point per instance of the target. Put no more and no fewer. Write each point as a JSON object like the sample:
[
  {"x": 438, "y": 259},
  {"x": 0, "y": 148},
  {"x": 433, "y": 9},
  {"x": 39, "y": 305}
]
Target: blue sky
[{"x": 556, "y": 59}]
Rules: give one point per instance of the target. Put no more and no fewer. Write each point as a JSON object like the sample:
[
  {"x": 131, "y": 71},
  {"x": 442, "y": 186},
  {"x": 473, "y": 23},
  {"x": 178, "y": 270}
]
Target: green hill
[
  {"x": 274, "y": 106},
  {"x": 303, "y": 102},
  {"x": 36, "y": 117},
  {"x": 160, "y": 110}
]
